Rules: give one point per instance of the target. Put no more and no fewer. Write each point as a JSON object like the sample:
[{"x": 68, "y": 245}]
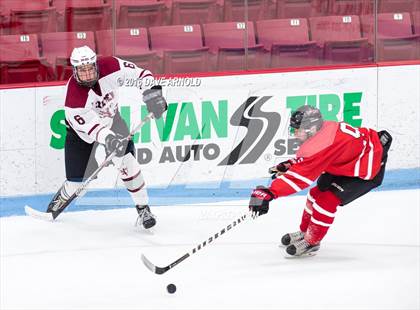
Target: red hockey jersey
[{"x": 337, "y": 148}]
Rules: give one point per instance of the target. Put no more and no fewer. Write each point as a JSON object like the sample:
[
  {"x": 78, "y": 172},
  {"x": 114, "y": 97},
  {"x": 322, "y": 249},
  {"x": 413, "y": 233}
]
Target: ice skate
[
  {"x": 291, "y": 238},
  {"x": 146, "y": 217},
  {"x": 302, "y": 248},
  {"x": 57, "y": 202}
]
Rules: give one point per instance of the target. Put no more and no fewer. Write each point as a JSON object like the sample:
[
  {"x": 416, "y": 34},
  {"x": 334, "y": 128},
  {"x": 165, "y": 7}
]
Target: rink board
[{"x": 206, "y": 118}]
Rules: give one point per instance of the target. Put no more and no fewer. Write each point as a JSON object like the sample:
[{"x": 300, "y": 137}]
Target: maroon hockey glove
[
  {"x": 281, "y": 168},
  {"x": 260, "y": 200}
]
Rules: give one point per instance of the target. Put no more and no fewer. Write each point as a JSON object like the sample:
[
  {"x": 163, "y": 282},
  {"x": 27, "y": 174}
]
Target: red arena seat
[
  {"x": 187, "y": 12},
  {"x": 395, "y": 38},
  {"x": 130, "y": 44},
  {"x": 340, "y": 38},
  {"x": 57, "y": 48},
  {"x": 351, "y": 7},
  {"x": 140, "y": 13},
  {"x": 234, "y": 10},
  {"x": 227, "y": 42},
  {"x": 190, "y": 56},
  {"x": 21, "y": 16},
  {"x": 82, "y": 15},
  {"x": 20, "y": 60},
  {"x": 416, "y": 22},
  {"x": 398, "y": 6},
  {"x": 301, "y": 8},
  {"x": 287, "y": 42}
]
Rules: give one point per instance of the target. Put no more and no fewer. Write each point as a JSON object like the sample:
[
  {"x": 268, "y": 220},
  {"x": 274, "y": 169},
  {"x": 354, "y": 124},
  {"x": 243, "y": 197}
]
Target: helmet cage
[{"x": 89, "y": 83}]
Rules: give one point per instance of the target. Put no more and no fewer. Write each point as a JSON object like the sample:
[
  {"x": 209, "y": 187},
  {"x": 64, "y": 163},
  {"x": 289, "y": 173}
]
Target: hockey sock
[
  {"x": 307, "y": 212},
  {"x": 68, "y": 189},
  {"x": 324, "y": 207},
  {"x": 132, "y": 177},
  {"x": 63, "y": 194}
]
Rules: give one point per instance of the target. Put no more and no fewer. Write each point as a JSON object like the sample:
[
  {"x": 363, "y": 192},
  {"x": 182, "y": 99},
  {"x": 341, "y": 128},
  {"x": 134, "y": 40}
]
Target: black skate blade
[
  {"x": 305, "y": 255},
  {"x": 311, "y": 252}
]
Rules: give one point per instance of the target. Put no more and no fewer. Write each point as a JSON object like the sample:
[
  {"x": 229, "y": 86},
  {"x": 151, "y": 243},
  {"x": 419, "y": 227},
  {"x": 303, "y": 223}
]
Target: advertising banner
[{"x": 216, "y": 129}]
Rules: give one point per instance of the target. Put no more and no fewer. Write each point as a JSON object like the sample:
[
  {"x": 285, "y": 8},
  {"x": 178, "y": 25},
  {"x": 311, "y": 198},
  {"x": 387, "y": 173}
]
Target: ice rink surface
[{"x": 91, "y": 260}]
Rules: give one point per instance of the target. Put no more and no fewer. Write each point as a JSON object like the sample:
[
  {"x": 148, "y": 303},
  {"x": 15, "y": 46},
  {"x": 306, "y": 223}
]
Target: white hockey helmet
[{"x": 84, "y": 56}]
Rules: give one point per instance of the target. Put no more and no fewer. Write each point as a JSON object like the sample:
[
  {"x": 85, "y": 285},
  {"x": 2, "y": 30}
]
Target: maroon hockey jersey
[{"x": 90, "y": 111}]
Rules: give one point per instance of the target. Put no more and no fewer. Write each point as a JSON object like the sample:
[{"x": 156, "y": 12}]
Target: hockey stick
[
  {"x": 161, "y": 270},
  {"x": 50, "y": 216}
]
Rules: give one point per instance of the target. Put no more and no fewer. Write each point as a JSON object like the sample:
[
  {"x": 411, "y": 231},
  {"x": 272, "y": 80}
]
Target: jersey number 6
[
  {"x": 128, "y": 65},
  {"x": 79, "y": 119}
]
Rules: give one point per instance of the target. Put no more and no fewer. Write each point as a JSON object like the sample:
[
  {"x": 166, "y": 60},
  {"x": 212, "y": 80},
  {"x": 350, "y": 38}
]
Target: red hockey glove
[
  {"x": 260, "y": 199},
  {"x": 281, "y": 168}
]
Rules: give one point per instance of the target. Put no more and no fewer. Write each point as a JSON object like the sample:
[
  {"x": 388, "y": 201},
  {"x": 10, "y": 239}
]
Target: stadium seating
[
  {"x": 226, "y": 41},
  {"x": 187, "y": 12},
  {"x": 286, "y": 41},
  {"x": 301, "y": 8},
  {"x": 57, "y": 48},
  {"x": 3, "y": 24},
  {"x": 83, "y": 15},
  {"x": 181, "y": 48},
  {"x": 234, "y": 10},
  {"x": 398, "y": 6},
  {"x": 20, "y": 60},
  {"x": 416, "y": 22},
  {"x": 395, "y": 38},
  {"x": 130, "y": 44},
  {"x": 340, "y": 38},
  {"x": 20, "y": 16},
  {"x": 140, "y": 13},
  {"x": 351, "y": 7}
]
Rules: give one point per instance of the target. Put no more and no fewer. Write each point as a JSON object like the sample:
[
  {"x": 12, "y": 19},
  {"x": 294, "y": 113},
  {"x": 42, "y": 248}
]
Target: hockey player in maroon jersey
[
  {"x": 348, "y": 162},
  {"x": 92, "y": 118}
]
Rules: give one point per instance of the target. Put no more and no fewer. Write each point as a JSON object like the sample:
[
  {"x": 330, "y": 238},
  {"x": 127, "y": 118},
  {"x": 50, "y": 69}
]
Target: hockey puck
[{"x": 171, "y": 288}]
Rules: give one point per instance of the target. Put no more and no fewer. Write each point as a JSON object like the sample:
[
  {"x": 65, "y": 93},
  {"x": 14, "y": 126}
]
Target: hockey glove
[
  {"x": 155, "y": 102},
  {"x": 260, "y": 200},
  {"x": 112, "y": 143},
  {"x": 281, "y": 168}
]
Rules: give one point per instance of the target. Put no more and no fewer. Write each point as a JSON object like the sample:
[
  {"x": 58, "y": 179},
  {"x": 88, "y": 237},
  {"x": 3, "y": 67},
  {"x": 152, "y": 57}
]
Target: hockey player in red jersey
[
  {"x": 348, "y": 162},
  {"x": 92, "y": 119}
]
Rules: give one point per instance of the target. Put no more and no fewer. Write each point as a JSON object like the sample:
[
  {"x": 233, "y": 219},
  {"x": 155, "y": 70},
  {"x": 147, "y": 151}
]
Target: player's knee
[{"x": 313, "y": 193}]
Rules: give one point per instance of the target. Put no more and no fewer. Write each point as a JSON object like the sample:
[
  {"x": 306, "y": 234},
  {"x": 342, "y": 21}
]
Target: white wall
[{"x": 389, "y": 100}]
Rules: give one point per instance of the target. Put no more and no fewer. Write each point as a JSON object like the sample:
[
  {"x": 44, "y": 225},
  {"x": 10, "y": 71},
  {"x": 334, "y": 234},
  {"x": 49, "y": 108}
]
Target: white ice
[{"x": 91, "y": 260}]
